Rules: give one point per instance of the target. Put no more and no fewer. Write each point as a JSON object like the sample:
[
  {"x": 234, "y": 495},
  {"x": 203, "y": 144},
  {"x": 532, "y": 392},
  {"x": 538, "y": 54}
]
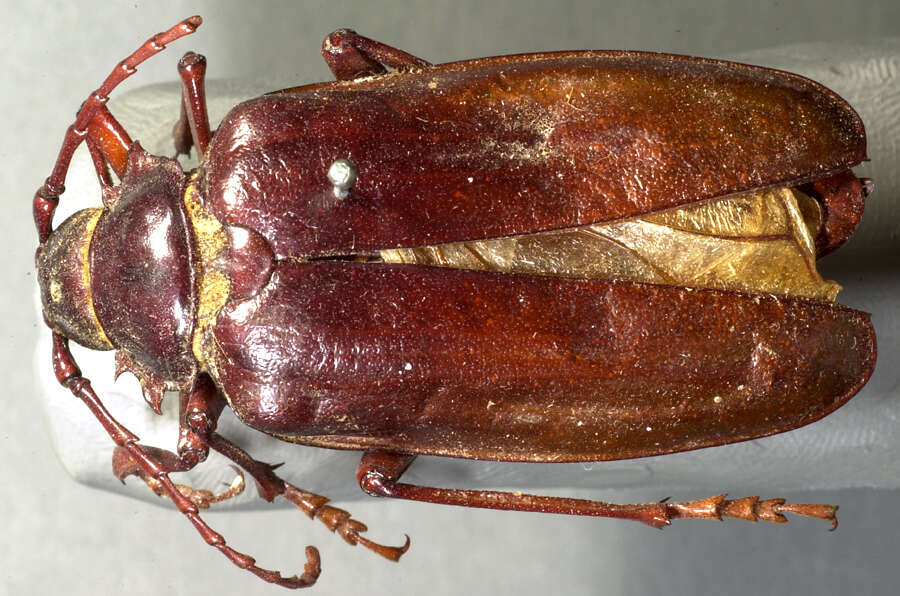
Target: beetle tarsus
[
  {"x": 203, "y": 498},
  {"x": 750, "y": 509},
  {"x": 340, "y": 522}
]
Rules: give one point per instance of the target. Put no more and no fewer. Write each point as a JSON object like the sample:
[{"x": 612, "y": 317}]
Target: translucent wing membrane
[{"x": 758, "y": 242}]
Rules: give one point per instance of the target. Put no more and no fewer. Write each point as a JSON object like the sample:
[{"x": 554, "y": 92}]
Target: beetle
[{"x": 371, "y": 264}]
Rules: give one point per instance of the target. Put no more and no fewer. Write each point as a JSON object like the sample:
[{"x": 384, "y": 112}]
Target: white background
[{"x": 63, "y": 537}]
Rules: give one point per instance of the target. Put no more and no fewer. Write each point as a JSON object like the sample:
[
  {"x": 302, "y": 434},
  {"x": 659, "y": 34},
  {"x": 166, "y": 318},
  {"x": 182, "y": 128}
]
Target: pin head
[{"x": 342, "y": 175}]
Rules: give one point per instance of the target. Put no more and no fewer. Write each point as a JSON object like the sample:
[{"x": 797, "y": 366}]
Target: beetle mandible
[{"x": 427, "y": 259}]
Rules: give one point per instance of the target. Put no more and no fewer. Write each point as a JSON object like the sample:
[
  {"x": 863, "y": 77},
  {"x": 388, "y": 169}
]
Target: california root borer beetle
[{"x": 566, "y": 257}]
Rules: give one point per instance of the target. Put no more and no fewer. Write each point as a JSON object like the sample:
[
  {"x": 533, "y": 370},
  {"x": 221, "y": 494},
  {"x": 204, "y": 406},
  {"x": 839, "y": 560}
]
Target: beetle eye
[{"x": 342, "y": 175}]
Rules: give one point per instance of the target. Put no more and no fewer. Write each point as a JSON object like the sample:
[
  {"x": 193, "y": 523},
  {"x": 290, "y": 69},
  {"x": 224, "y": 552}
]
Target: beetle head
[{"x": 63, "y": 271}]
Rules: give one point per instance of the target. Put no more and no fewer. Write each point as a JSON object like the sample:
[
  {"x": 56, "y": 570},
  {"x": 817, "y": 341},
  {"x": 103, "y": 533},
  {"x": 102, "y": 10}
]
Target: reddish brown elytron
[{"x": 263, "y": 280}]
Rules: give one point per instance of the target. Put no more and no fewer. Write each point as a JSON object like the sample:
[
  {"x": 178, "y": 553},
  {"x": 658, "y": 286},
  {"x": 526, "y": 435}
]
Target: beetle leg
[
  {"x": 201, "y": 407},
  {"x": 379, "y": 471},
  {"x": 196, "y": 411},
  {"x": 199, "y": 410},
  {"x": 350, "y": 55},
  {"x": 96, "y": 151},
  {"x": 105, "y": 132},
  {"x": 192, "y": 128},
  {"x": 69, "y": 375},
  {"x": 125, "y": 465},
  {"x": 315, "y": 506}
]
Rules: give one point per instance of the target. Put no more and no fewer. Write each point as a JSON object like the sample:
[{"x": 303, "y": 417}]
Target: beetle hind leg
[
  {"x": 350, "y": 55},
  {"x": 379, "y": 473}
]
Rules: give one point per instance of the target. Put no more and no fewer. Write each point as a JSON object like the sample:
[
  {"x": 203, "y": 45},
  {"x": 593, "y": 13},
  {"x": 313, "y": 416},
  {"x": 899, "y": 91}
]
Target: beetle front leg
[
  {"x": 192, "y": 128},
  {"x": 108, "y": 139},
  {"x": 379, "y": 472},
  {"x": 125, "y": 465},
  {"x": 350, "y": 55},
  {"x": 199, "y": 408}
]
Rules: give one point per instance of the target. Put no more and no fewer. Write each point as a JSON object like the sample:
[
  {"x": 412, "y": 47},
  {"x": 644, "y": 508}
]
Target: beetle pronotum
[{"x": 512, "y": 258}]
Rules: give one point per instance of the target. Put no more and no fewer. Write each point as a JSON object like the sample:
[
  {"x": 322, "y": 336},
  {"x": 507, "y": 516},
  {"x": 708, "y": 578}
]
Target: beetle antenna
[{"x": 47, "y": 197}]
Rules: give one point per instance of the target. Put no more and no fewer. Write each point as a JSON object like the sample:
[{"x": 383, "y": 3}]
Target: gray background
[{"x": 61, "y": 536}]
